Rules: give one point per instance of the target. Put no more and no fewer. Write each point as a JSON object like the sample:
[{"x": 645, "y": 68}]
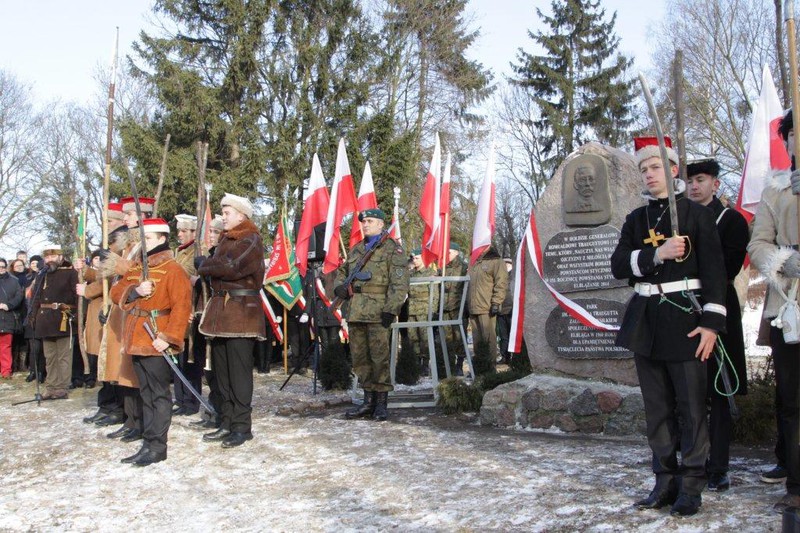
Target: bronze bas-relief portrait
[{"x": 586, "y": 199}]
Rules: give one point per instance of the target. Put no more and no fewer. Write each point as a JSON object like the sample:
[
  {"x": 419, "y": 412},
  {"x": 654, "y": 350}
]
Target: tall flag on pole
[
  {"x": 766, "y": 153},
  {"x": 315, "y": 212},
  {"x": 282, "y": 278},
  {"x": 484, "y": 220},
  {"x": 343, "y": 203},
  {"x": 444, "y": 210},
  {"x": 366, "y": 193},
  {"x": 429, "y": 208}
]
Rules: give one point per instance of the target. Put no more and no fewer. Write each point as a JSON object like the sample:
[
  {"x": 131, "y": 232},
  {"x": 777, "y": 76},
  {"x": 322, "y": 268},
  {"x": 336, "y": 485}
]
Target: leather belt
[
  {"x": 147, "y": 314},
  {"x": 57, "y": 306},
  {"x": 649, "y": 289},
  {"x": 237, "y": 292},
  {"x": 366, "y": 289}
]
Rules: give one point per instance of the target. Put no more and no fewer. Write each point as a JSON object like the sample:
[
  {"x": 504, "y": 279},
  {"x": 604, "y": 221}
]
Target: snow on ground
[{"x": 420, "y": 471}]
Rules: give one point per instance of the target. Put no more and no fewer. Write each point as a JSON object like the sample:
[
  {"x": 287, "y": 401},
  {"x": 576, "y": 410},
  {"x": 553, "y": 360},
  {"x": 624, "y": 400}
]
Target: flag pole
[
  {"x": 285, "y": 343},
  {"x": 107, "y": 167}
]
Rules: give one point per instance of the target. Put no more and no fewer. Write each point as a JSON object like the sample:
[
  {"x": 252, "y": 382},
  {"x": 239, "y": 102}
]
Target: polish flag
[
  {"x": 366, "y": 193},
  {"x": 343, "y": 202},
  {"x": 484, "y": 221},
  {"x": 315, "y": 212},
  {"x": 429, "y": 208},
  {"x": 515, "y": 339},
  {"x": 444, "y": 210},
  {"x": 766, "y": 153}
]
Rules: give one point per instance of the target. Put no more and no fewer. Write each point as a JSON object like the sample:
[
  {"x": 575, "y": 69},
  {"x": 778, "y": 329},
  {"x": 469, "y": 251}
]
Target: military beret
[
  {"x": 372, "y": 213},
  {"x": 455, "y": 246},
  {"x": 416, "y": 251}
]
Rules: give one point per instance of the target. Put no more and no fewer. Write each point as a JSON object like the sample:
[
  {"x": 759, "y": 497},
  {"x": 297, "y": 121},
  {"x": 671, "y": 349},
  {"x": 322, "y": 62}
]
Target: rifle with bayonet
[{"x": 357, "y": 273}]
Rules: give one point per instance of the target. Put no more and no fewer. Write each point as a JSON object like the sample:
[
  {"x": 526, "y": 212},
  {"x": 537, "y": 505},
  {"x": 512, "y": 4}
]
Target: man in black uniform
[
  {"x": 670, "y": 340},
  {"x": 702, "y": 184}
]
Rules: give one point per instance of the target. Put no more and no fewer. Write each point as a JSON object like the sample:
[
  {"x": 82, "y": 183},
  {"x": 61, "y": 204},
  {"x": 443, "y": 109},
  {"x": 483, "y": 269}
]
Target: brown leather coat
[{"x": 237, "y": 264}]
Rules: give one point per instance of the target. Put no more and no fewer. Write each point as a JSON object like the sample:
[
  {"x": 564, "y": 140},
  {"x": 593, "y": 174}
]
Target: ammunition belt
[{"x": 147, "y": 314}]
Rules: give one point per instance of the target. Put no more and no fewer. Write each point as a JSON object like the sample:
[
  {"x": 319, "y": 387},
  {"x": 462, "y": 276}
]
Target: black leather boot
[
  {"x": 686, "y": 505},
  {"x": 262, "y": 365},
  {"x": 381, "y": 412},
  {"x": 365, "y": 409},
  {"x": 664, "y": 493}
]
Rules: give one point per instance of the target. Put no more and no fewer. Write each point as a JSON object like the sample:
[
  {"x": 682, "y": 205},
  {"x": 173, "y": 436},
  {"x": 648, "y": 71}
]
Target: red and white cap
[
  {"x": 155, "y": 225},
  {"x": 647, "y": 147},
  {"x": 115, "y": 211},
  {"x": 129, "y": 204}
]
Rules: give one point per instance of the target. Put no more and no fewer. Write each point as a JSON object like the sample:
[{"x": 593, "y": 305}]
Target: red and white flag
[
  {"x": 518, "y": 312},
  {"x": 444, "y": 210},
  {"x": 429, "y": 208},
  {"x": 274, "y": 322},
  {"x": 343, "y": 202},
  {"x": 766, "y": 153},
  {"x": 484, "y": 220},
  {"x": 336, "y": 312},
  {"x": 315, "y": 212},
  {"x": 366, "y": 193}
]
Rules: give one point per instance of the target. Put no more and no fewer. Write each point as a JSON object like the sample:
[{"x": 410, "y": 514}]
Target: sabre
[
  {"x": 167, "y": 354},
  {"x": 662, "y": 145}
]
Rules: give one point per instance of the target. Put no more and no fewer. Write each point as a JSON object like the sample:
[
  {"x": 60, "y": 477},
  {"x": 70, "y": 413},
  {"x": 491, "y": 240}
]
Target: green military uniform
[
  {"x": 488, "y": 281},
  {"x": 453, "y": 291},
  {"x": 184, "y": 256},
  {"x": 385, "y": 292},
  {"x": 418, "y": 297}
]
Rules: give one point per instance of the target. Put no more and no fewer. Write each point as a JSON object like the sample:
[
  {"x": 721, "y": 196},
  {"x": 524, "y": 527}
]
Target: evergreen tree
[{"x": 579, "y": 82}]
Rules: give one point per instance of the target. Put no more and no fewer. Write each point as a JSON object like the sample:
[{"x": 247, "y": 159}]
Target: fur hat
[
  {"x": 216, "y": 223},
  {"x": 647, "y": 147},
  {"x": 52, "y": 250},
  {"x": 186, "y": 222},
  {"x": 708, "y": 166},
  {"x": 241, "y": 204}
]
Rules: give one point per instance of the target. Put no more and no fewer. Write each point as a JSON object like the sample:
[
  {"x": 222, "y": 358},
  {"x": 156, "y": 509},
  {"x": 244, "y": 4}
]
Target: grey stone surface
[
  {"x": 624, "y": 187},
  {"x": 608, "y": 401},
  {"x": 556, "y": 400},
  {"x": 584, "y": 404},
  {"x": 532, "y": 399}
]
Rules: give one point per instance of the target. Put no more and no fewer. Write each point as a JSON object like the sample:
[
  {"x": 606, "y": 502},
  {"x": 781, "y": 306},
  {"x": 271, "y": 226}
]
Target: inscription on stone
[
  {"x": 580, "y": 260},
  {"x": 572, "y": 340}
]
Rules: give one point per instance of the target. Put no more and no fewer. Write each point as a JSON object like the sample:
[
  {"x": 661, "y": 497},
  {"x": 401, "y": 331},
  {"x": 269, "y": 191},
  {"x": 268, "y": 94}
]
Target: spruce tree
[{"x": 580, "y": 82}]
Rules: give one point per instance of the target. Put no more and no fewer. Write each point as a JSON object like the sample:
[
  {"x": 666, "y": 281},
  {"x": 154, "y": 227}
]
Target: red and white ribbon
[
  {"x": 336, "y": 312},
  {"x": 271, "y": 318}
]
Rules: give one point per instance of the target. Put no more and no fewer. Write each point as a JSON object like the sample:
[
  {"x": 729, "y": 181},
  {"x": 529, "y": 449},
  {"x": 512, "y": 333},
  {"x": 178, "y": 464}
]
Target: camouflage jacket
[
  {"x": 386, "y": 291},
  {"x": 418, "y": 295},
  {"x": 454, "y": 289}
]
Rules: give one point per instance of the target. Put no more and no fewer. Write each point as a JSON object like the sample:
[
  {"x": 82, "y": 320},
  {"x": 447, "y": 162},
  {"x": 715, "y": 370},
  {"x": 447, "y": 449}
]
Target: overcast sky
[{"x": 56, "y": 45}]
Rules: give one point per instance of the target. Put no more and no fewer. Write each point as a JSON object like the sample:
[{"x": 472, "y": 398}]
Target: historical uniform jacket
[
  {"x": 236, "y": 272},
  {"x": 54, "y": 307},
  {"x": 733, "y": 235},
  {"x": 184, "y": 256},
  {"x": 488, "y": 282},
  {"x": 385, "y": 291},
  {"x": 419, "y": 294},
  {"x": 169, "y": 302},
  {"x": 655, "y": 328},
  {"x": 453, "y": 290}
]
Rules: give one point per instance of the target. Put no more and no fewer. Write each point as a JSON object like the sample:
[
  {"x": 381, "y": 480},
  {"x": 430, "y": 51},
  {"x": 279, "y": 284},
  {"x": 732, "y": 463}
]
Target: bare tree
[{"x": 19, "y": 146}]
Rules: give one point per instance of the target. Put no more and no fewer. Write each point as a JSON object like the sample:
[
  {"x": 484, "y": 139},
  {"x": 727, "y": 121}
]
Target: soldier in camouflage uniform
[
  {"x": 374, "y": 305},
  {"x": 453, "y": 291},
  {"x": 418, "y": 298}
]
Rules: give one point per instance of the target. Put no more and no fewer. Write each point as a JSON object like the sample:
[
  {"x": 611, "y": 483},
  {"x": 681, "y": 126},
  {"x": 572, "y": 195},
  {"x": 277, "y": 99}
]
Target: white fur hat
[
  {"x": 186, "y": 221},
  {"x": 239, "y": 203}
]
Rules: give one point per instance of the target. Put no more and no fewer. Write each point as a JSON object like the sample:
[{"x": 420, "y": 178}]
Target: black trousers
[
  {"x": 786, "y": 358},
  {"x": 194, "y": 373},
  {"x": 132, "y": 406},
  {"x": 673, "y": 391},
  {"x": 720, "y": 423},
  {"x": 154, "y": 375},
  {"x": 109, "y": 399},
  {"x": 299, "y": 341},
  {"x": 233, "y": 366}
]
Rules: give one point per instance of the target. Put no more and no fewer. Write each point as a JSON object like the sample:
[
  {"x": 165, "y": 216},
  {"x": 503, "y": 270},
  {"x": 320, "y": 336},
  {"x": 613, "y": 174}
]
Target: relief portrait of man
[{"x": 585, "y": 195}]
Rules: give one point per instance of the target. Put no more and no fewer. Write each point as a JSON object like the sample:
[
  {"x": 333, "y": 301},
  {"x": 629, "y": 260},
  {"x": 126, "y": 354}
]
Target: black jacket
[
  {"x": 12, "y": 295},
  {"x": 655, "y": 328}
]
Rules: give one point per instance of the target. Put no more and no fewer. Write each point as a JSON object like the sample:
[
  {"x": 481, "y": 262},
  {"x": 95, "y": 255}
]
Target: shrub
[
  {"x": 481, "y": 358},
  {"x": 520, "y": 361},
  {"x": 756, "y": 424},
  {"x": 334, "y": 367},
  {"x": 492, "y": 380},
  {"x": 458, "y": 396},
  {"x": 407, "y": 367}
]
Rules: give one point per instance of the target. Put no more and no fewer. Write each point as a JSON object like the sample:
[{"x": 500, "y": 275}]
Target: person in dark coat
[
  {"x": 11, "y": 297},
  {"x": 702, "y": 185},
  {"x": 233, "y": 320},
  {"x": 669, "y": 338},
  {"x": 18, "y": 270},
  {"x": 53, "y": 309}
]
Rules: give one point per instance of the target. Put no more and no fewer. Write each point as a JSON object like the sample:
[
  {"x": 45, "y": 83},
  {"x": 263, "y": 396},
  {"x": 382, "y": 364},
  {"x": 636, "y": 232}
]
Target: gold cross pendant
[{"x": 655, "y": 238}]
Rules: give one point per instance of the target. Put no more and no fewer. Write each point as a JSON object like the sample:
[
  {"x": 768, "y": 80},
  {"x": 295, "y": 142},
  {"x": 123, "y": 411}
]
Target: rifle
[{"x": 356, "y": 273}]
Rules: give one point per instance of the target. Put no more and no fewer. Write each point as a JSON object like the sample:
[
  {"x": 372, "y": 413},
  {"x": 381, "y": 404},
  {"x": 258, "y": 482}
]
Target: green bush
[
  {"x": 334, "y": 367},
  {"x": 520, "y": 361},
  {"x": 757, "y": 422},
  {"x": 458, "y": 396},
  {"x": 492, "y": 380},
  {"x": 407, "y": 367}
]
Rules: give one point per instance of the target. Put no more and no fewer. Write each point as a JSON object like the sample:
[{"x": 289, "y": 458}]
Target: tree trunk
[{"x": 779, "y": 46}]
